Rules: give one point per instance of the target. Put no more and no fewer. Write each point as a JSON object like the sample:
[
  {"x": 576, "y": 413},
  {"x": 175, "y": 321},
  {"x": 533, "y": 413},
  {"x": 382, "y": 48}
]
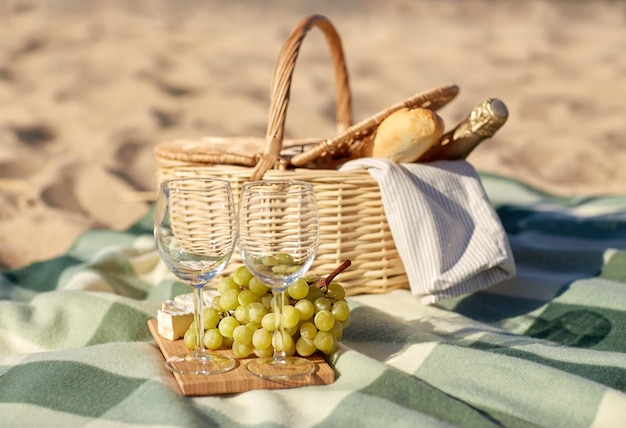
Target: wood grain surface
[{"x": 238, "y": 379}]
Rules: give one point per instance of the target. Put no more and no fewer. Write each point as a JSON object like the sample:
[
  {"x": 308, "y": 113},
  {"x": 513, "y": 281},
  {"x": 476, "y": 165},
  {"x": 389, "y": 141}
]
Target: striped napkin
[{"x": 448, "y": 235}]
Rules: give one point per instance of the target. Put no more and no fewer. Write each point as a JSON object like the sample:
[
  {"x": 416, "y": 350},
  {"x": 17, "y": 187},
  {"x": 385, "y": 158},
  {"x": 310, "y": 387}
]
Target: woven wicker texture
[
  {"x": 190, "y": 218},
  {"x": 195, "y": 227},
  {"x": 357, "y": 140},
  {"x": 353, "y": 224}
]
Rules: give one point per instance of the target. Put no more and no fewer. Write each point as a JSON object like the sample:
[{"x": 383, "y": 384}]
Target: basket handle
[{"x": 281, "y": 86}]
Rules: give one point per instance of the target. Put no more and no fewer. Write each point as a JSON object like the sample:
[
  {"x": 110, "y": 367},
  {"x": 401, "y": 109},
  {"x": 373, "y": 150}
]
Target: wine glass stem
[
  {"x": 198, "y": 317},
  {"x": 279, "y": 299}
]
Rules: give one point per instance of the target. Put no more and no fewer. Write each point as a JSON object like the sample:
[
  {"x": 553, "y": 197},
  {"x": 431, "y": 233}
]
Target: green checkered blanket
[{"x": 544, "y": 349}]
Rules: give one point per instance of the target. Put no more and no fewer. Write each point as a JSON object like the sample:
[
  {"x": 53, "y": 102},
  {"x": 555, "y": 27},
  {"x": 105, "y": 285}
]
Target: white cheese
[
  {"x": 173, "y": 325},
  {"x": 175, "y": 316},
  {"x": 186, "y": 300}
]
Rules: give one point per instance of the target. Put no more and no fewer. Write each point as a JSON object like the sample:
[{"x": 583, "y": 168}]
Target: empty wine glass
[
  {"x": 278, "y": 240},
  {"x": 195, "y": 228}
]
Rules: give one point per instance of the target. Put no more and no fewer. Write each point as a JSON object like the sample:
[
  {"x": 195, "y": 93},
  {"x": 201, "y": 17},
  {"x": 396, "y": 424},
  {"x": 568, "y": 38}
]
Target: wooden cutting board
[{"x": 238, "y": 379}]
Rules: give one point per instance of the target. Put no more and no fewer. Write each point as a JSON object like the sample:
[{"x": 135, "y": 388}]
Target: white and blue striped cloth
[{"x": 446, "y": 231}]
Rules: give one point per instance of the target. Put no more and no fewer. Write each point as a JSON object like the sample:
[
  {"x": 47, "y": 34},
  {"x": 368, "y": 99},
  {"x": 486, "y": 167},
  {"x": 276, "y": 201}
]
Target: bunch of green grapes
[{"x": 242, "y": 317}]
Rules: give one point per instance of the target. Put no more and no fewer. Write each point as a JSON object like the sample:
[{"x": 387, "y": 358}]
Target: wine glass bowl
[
  {"x": 195, "y": 230},
  {"x": 278, "y": 240}
]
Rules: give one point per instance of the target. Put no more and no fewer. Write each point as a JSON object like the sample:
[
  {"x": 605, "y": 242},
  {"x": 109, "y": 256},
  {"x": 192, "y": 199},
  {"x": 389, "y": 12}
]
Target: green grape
[
  {"x": 346, "y": 322},
  {"x": 241, "y": 313},
  {"x": 322, "y": 304},
  {"x": 278, "y": 343},
  {"x": 311, "y": 279},
  {"x": 308, "y": 330},
  {"x": 242, "y": 350},
  {"x": 262, "y": 339},
  {"x": 242, "y": 334},
  {"x": 226, "y": 283},
  {"x": 305, "y": 308},
  {"x": 291, "y": 317},
  {"x": 253, "y": 325},
  {"x": 298, "y": 290},
  {"x": 324, "y": 320},
  {"x": 229, "y": 299},
  {"x": 211, "y": 318},
  {"x": 269, "y": 261},
  {"x": 242, "y": 276},
  {"x": 334, "y": 348},
  {"x": 227, "y": 342},
  {"x": 256, "y": 312},
  {"x": 189, "y": 338},
  {"x": 268, "y": 322},
  {"x": 213, "y": 339},
  {"x": 227, "y": 326},
  {"x": 337, "y": 330},
  {"x": 281, "y": 269},
  {"x": 285, "y": 301},
  {"x": 314, "y": 293},
  {"x": 293, "y": 269},
  {"x": 305, "y": 347},
  {"x": 267, "y": 300},
  {"x": 216, "y": 304},
  {"x": 291, "y": 349},
  {"x": 244, "y": 316},
  {"x": 284, "y": 259},
  {"x": 262, "y": 353},
  {"x": 324, "y": 341},
  {"x": 291, "y": 331},
  {"x": 341, "y": 310},
  {"x": 246, "y": 296},
  {"x": 336, "y": 291},
  {"x": 257, "y": 287}
]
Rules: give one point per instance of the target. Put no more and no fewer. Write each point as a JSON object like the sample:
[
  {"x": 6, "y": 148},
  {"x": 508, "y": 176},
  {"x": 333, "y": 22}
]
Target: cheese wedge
[
  {"x": 175, "y": 316},
  {"x": 172, "y": 325}
]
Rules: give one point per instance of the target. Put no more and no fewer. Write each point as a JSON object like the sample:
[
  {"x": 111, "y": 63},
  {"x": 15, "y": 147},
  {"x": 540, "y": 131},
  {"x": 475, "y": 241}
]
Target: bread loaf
[{"x": 406, "y": 134}]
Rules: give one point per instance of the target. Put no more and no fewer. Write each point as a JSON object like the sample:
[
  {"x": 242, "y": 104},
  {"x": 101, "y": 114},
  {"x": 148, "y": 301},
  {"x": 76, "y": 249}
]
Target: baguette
[{"x": 406, "y": 134}]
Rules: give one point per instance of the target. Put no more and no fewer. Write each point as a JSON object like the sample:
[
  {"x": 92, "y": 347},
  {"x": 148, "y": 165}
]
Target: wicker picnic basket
[{"x": 352, "y": 218}]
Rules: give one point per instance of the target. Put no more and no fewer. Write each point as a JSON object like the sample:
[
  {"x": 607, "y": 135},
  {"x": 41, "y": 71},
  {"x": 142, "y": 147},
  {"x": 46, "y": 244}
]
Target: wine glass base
[
  {"x": 199, "y": 364},
  {"x": 280, "y": 369}
]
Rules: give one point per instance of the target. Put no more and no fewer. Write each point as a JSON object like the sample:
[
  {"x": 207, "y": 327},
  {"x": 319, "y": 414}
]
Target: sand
[{"x": 88, "y": 88}]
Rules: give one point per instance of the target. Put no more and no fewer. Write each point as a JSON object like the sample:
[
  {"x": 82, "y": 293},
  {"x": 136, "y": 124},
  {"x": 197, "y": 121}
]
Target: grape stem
[{"x": 324, "y": 282}]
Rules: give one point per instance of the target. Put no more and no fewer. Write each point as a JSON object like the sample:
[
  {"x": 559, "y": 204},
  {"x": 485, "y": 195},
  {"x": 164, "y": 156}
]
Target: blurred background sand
[{"x": 87, "y": 88}]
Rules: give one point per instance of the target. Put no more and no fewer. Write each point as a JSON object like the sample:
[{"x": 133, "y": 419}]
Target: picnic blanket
[{"x": 544, "y": 349}]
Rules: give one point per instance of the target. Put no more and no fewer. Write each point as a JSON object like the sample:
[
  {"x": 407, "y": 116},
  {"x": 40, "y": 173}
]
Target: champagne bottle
[{"x": 482, "y": 123}]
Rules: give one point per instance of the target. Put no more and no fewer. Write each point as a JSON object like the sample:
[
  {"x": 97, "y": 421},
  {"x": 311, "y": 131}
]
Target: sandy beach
[{"x": 88, "y": 88}]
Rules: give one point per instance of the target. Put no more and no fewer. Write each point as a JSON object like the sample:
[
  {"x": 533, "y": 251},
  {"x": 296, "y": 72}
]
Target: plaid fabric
[{"x": 544, "y": 349}]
